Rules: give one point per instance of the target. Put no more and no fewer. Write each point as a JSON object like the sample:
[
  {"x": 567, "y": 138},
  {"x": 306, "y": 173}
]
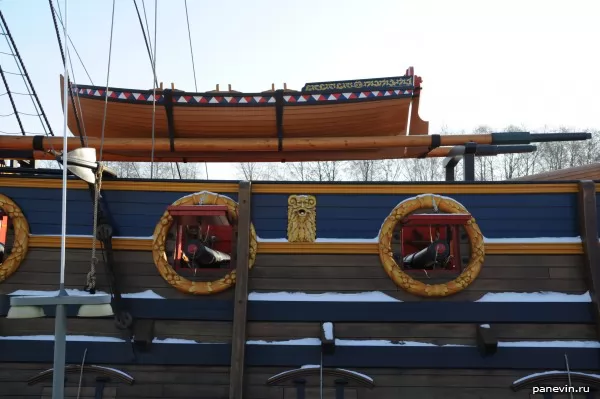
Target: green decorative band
[{"x": 399, "y": 82}]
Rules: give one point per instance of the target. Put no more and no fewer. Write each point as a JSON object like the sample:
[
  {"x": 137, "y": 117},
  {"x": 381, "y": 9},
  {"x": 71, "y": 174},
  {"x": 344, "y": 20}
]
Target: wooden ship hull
[{"x": 316, "y": 282}]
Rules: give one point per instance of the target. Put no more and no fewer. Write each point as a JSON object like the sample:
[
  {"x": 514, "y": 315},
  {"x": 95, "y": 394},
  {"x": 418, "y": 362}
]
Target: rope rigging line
[
  {"x": 72, "y": 72},
  {"x": 62, "y": 55},
  {"x": 2, "y": 52},
  {"x": 12, "y": 101},
  {"x": 71, "y": 41},
  {"x": 148, "y": 50},
  {"x": 15, "y": 92},
  {"x": 187, "y": 18},
  {"x": 148, "y": 46},
  {"x": 112, "y": 24},
  {"x": 146, "y": 20},
  {"x": 20, "y": 134},
  {"x": 91, "y": 276},
  {"x": 13, "y": 73},
  {"x": 32, "y": 94},
  {"x": 154, "y": 90},
  {"x": 17, "y": 113}
]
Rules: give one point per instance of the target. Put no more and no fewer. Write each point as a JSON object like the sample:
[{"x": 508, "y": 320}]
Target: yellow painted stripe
[
  {"x": 285, "y": 188},
  {"x": 144, "y": 244},
  {"x": 415, "y": 189}
]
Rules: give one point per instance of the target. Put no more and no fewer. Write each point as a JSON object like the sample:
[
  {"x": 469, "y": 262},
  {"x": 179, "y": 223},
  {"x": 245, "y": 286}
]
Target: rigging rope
[
  {"x": 62, "y": 55},
  {"x": 15, "y": 53},
  {"x": 144, "y": 34},
  {"x": 154, "y": 90},
  {"x": 70, "y": 41},
  {"x": 91, "y": 276},
  {"x": 187, "y": 18},
  {"x": 112, "y": 24}
]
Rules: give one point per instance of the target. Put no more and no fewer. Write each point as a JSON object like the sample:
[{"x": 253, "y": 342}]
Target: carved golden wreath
[
  {"x": 403, "y": 280},
  {"x": 21, "y": 237},
  {"x": 160, "y": 236}
]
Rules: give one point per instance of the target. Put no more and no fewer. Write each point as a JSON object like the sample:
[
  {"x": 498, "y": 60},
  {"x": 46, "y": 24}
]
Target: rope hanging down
[
  {"x": 187, "y": 18},
  {"x": 91, "y": 276},
  {"x": 154, "y": 90}
]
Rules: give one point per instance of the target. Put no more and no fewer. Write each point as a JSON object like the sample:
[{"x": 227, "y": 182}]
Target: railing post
[
  {"x": 238, "y": 340},
  {"x": 588, "y": 229}
]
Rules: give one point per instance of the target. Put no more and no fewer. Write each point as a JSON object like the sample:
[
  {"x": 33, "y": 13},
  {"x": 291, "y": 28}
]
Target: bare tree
[{"x": 363, "y": 170}]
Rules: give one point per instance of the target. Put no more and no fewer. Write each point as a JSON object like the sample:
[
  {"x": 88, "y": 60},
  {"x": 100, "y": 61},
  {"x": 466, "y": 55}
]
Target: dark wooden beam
[
  {"x": 240, "y": 309},
  {"x": 294, "y": 356},
  {"x": 213, "y": 309},
  {"x": 588, "y": 228}
]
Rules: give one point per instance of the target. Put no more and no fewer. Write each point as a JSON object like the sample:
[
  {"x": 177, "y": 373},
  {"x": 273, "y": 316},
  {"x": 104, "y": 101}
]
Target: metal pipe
[{"x": 60, "y": 325}]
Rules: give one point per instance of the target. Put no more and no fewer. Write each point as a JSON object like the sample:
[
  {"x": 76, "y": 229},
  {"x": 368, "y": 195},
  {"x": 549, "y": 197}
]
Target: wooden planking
[
  {"x": 360, "y": 216},
  {"x": 308, "y": 273},
  {"x": 201, "y": 331},
  {"x": 588, "y": 221},
  {"x": 339, "y": 215},
  {"x": 242, "y": 253},
  {"x": 346, "y": 273},
  {"x": 136, "y": 270},
  {"x": 213, "y": 332},
  {"x": 135, "y": 118},
  {"x": 388, "y": 117}
]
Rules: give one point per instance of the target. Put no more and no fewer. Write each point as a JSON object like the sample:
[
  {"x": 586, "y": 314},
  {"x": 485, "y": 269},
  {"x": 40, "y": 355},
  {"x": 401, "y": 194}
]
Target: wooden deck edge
[{"x": 290, "y": 188}]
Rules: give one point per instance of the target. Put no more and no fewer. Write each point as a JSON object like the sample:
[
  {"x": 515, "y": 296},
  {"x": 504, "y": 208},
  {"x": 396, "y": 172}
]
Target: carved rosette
[
  {"x": 406, "y": 282},
  {"x": 21, "y": 237},
  {"x": 160, "y": 238},
  {"x": 302, "y": 218}
]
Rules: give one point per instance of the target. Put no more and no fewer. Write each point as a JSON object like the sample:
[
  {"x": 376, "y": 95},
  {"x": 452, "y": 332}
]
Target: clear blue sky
[{"x": 498, "y": 63}]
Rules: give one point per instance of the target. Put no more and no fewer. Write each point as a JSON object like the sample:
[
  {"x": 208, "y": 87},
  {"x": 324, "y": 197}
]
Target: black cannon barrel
[
  {"x": 527, "y": 138},
  {"x": 490, "y": 149},
  {"x": 200, "y": 255}
]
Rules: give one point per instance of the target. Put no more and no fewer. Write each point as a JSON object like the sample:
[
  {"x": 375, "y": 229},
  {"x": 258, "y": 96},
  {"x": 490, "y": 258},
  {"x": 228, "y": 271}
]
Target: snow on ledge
[
  {"x": 372, "y": 296},
  {"x": 148, "y": 294},
  {"x": 306, "y": 366},
  {"x": 294, "y": 342},
  {"x": 550, "y": 344},
  {"x": 554, "y": 372},
  {"x": 84, "y": 338},
  {"x": 328, "y": 330},
  {"x": 117, "y": 371},
  {"x": 381, "y": 342},
  {"x": 542, "y": 296},
  {"x": 346, "y": 342},
  {"x": 366, "y": 377},
  {"x": 181, "y": 341}
]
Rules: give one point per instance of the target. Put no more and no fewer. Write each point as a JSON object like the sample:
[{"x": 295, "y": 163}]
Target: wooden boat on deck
[{"x": 331, "y": 112}]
